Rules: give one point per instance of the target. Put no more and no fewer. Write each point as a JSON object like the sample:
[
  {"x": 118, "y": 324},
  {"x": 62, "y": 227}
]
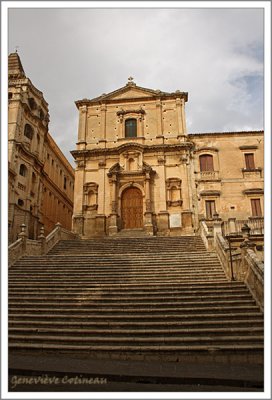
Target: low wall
[
  {"x": 246, "y": 266},
  {"x": 15, "y": 251},
  {"x": 255, "y": 276},
  {"x": 206, "y": 236}
]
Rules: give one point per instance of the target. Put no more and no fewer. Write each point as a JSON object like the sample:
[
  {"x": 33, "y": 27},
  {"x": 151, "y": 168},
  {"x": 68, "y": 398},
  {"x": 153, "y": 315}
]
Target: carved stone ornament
[{"x": 124, "y": 112}]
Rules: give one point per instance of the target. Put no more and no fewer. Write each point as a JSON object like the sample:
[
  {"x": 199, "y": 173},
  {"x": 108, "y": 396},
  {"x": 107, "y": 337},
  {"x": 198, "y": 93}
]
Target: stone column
[
  {"x": 159, "y": 118},
  {"x": 82, "y": 124},
  {"x": 184, "y": 129},
  {"x": 148, "y": 225},
  {"x": 103, "y": 120},
  {"x": 113, "y": 217},
  {"x": 78, "y": 219},
  {"x": 141, "y": 125},
  {"x": 179, "y": 116}
]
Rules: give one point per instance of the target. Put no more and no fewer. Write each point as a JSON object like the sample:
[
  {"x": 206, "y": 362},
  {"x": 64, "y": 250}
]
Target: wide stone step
[
  {"x": 159, "y": 348},
  {"x": 137, "y": 340},
  {"x": 133, "y": 318},
  {"x": 116, "y": 286},
  {"x": 115, "y": 257},
  {"x": 225, "y": 288},
  {"x": 118, "y": 262},
  {"x": 121, "y": 299},
  {"x": 236, "y": 321},
  {"x": 138, "y": 332},
  {"x": 84, "y": 302},
  {"x": 130, "y": 274},
  {"x": 116, "y": 282},
  {"x": 143, "y": 250},
  {"x": 54, "y": 271},
  {"x": 110, "y": 311}
]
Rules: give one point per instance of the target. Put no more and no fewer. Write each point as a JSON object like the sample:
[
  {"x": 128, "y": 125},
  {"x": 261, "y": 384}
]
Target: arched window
[
  {"x": 206, "y": 162},
  {"x": 28, "y": 132},
  {"x": 131, "y": 127},
  {"x": 23, "y": 170}
]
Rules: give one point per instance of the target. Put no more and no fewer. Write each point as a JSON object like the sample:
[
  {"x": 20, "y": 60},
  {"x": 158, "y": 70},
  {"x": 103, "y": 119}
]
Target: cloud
[{"x": 214, "y": 54}]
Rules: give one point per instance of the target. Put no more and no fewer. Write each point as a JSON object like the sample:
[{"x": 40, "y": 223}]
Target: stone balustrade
[
  {"x": 24, "y": 246},
  {"x": 238, "y": 254}
]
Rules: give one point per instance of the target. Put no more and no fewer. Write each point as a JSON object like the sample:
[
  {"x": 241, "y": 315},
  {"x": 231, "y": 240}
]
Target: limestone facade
[
  {"x": 36, "y": 191},
  {"x": 137, "y": 167}
]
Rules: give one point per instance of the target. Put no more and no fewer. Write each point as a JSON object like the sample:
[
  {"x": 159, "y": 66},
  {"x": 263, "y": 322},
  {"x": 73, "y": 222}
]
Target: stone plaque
[{"x": 175, "y": 220}]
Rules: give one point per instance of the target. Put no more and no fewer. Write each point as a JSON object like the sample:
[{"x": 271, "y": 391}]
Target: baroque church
[
  {"x": 137, "y": 168},
  {"x": 41, "y": 180}
]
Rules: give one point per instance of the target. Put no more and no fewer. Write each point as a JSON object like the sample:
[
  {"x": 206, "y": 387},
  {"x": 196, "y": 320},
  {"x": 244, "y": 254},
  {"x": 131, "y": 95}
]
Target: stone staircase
[{"x": 132, "y": 298}]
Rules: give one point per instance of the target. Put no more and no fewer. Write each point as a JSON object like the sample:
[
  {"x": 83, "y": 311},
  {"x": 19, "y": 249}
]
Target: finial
[
  {"x": 16, "y": 49},
  {"x": 130, "y": 79}
]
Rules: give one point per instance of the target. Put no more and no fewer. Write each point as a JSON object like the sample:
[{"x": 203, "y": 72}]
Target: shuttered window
[
  {"x": 256, "y": 207},
  {"x": 249, "y": 159},
  {"x": 131, "y": 127},
  {"x": 210, "y": 208},
  {"x": 206, "y": 162}
]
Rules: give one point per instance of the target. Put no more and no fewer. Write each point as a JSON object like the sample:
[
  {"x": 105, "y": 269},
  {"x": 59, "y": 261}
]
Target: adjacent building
[
  {"x": 138, "y": 168},
  {"x": 41, "y": 180}
]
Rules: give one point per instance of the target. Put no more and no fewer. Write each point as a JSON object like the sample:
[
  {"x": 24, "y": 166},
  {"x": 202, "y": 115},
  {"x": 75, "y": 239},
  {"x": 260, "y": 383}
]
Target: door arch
[{"x": 132, "y": 208}]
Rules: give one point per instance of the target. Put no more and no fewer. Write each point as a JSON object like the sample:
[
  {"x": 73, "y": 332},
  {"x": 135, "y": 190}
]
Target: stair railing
[{"x": 24, "y": 246}]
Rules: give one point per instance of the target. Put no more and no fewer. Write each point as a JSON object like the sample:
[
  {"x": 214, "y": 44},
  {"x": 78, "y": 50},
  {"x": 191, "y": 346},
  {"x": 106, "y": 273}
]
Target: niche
[
  {"x": 174, "y": 194},
  {"x": 90, "y": 196}
]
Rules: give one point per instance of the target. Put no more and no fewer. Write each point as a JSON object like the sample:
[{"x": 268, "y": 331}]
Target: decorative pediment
[
  {"x": 115, "y": 169},
  {"x": 130, "y": 92}
]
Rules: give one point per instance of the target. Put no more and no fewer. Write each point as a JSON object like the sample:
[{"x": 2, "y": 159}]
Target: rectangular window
[
  {"x": 210, "y": 208},
  {"x": 206, "y": 162},
  {"x": 249, "y": 159},
  {"x": 256, "y": 207}
]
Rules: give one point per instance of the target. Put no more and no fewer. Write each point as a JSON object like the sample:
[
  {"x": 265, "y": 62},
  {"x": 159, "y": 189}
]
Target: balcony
[
  {"x": 208, "y": 176},
  {"x": 252, "y": 172}
]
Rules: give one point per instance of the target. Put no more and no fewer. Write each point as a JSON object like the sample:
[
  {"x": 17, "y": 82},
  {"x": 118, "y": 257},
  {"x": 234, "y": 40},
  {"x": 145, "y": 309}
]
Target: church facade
[{"x": 138, "y": 168}]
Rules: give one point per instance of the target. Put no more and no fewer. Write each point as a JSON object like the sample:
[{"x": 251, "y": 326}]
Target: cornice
[
  {"x": 129, "y": 146},
  {"x": 253, "y": 191},
  {"x": 26, "y": 151},
  {"x": 201, "y": 134},
  {"x": 27, "y": 82}
]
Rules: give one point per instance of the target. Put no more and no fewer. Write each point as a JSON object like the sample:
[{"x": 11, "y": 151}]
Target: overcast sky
[{"x": 216, "y": 55}]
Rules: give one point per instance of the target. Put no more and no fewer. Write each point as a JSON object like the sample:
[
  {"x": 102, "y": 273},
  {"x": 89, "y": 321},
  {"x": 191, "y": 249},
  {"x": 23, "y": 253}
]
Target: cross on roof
[{"x": 16, "y": 49}]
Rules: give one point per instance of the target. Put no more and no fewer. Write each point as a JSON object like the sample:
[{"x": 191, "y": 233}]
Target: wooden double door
[{"x": 132, "y": 208}]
